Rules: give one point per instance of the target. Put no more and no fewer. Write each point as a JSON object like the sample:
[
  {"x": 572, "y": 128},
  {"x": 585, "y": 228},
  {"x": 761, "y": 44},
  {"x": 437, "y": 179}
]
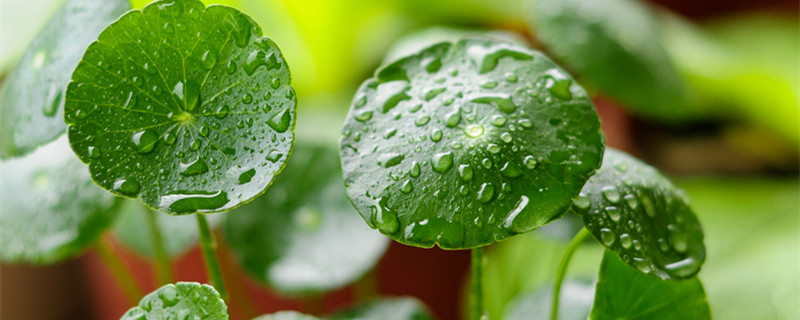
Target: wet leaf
[
  {"x": 386, "y": 309},
  {"x": 303, "y": 236},
  {"x": 31, "y": 102},
  {"x": 178, "y": 233},
  {"x": 640, "y": 215},
  {"x": 624, "y": 293},
  {"x": 467, "y": 143},
  {"x": 50, "y": 209},
  {"x": 187, "y": 108},
  {"x": 614, "y": 46},
  {"x": 182, "y": 300},
  {"x": 575, "y": 302}
]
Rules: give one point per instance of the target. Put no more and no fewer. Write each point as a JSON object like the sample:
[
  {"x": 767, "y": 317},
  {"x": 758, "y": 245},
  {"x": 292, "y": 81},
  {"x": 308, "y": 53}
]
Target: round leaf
[
  {"x": 286, "y": 315},
  {"x": 303, "y": 236},
  {"x": 183, "y": 300},
  {"x": 624, "y": 293},
  {"x": 615, "y": 46},
  {"x": 466, "y": 143},
  {"x": 178, "y": 233},
  {"x": 575, "y": 302},
  {"x": 386, "y": 309},
  {"x": 185, "y": 107},
  {"x": 50, "y": 209},
  {"x": 31, "y": 103},
  {"x": 637, "y": 213}
]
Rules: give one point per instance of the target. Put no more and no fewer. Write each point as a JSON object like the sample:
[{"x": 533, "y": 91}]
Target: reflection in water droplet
[
  {"x": 415, "y": 170},
  {"x": 281, "y": 121},
  {"x": 683, "y": 268},
  {"x": 145, "y": 140},
  {"x": 625, "y": 240},
  {"x": 274, "y": 156},
  {"x": 128, "y": 187},
  {"x": 453, "y": 119},
  {"x": 521, "y": 205},
  {"x": 363, "y": 116},
  {"x": 441, "y": 162},
  {"x": 474, "y": 130},
  {"x": 194, "y": 167},
  {"x": 630, "y": 199},
  {"x": 607, "y": 236},
  {"x": 486, "y": 193},
  {"x": 421, "y": 121},
  {"x": 391, "y": 159},
  {"x": 613, "y": 213},
  {"x": 384, "y": 218},
  {"x": 465, "y": 172},
  {"x": 436, "y": 135},
  {"x": 611, "y": 194},
  {"x": 529, "y": 162},
  {"x": 222, "y": 112},
  {"x": 407, "y": 187},
  {"x": 510, "y": 170}
]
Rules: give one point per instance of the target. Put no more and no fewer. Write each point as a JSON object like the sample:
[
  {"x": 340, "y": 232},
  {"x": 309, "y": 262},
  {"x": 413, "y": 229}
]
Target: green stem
[
  {"x": 476, "y": 285},
  {"x": 120, "y": 272},
  {"x": 209, "y": 248},
  {"x": 163, "y": 264},
  {"x": 562, "y": 269}
]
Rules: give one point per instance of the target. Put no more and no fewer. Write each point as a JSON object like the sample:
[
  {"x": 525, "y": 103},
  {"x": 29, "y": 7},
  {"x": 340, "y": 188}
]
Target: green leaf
[
  {"x": 575, "y": 302},
  {"x": 185, "y": 107},
  {"x": 178, "y": 233},
  {"x": 182, "y": 300},
  {"x": 50, "y": 209},
  {"x": 303, "y": 236},
  {"x": 624, "y": 293},
  {"x": 386, "y": 309},
  {"x": 286, "y": 315},
  {"x": 467, "y": 143},
  {"x": 640, "y": 215},
  {"x": 31, "y": 103},
  {"x": 615, "y": 46}
]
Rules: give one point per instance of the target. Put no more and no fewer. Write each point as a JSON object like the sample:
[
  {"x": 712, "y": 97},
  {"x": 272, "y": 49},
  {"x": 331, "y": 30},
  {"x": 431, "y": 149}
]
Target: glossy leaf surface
[
  {"x": 386, "y": 309},
  {"x": 182, "y": 300},
  {"x": 178, "y": 233},
  {"x": 303, "y": 236},
  {"x": 467, "y": 143},
  {"x": 32, "y": 99},
  {"x": 575, "y": 302},
  {"x": 187, "y": 108},
  {"x": 614, "y": 46},
  {"x": 624, "y": 293},
  {"x": 639, "y": 214},
  {"x": 50, "y": 209}
]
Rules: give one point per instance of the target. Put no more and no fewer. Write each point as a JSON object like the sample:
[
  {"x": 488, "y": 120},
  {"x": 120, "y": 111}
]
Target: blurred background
[{"x": 736, "y": 154}]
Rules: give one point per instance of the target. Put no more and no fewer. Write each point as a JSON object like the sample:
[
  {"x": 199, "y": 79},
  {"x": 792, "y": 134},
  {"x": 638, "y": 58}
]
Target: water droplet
[
  {"x": 503, "y": 103},
  {"x": 611, "y": 194},
  {"x": 169, "y": 295},
  {"x": 474, "y": 130},
  {"x": 231, "y": 68},
  {"x": 281, "y": 121},
  {"x": 493, "y": 148},
  {"x": 499, "y": 121},
  {"x": 510, "y": 170},
  {"x": 54, "y": 97},
  {"x": 506, "y": 137},
  {"x": 395, "y": 92},
  {"x": 275, "y": 83},
  {"x": 247, "y": 176},
  {"x": 193, "y": 167},
  {"x": 128, "y": 187},
  {"x": 258, "y": 58},
  {"x": 625, "y": 240},
  {"x": 94, "y": 152},
  {"x": 607, "y": 236},
  {"x": 222, "y": 112},
  {"x": 247, "y": 98},
  {"x": 613, "y": 213},
  {"x": 662, "y": 245},
  {"x": 407, "y": 187},
  {"x": 630, "y": 199},
  {"x": 683, "y": 268},
  {"x": 465, "y": 172},
  {"x": 486, "y": 193},
  {"x": 436, "y": 135},
  {"x": 487, "y": 163},
  {"x": 521, "y": 204},
  {"x": 649, "y": 209},
  {"x": 145, "y": 140},
  {"x": 431, "y": 94},
  {"x": 274, "y": 156},
  {"x": 529, "y": 162},
  {"x": 677, "y": 239},
  {"x": 432, "y": 64},
  {"x": 415, "y": 170},
  {"x": 195, "y": 145},
  {"x": 558, "y": 84},
  {"x": 364, "y": 116},
  {"x": 391, "y": 159},
  {"x": 384, "y": 218},
  {"x": 209, "y": 59},
  {"x": 488, "y": 57},
  {"x": 489, "y": 85},
  {"x": 582, "y": 201},
  {"x": 421, "y": 121},
  {"x": 193, "y": 201},
  {"x": 441, "y": 162},
  {"x": 187, "y": 93},
  {"x": 453, "y": 119},
  {"x": 169, "y": 138}
]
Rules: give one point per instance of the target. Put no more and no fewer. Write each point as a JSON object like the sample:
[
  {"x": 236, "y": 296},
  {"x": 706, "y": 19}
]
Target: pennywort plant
[{"x": 189, "y": 110}]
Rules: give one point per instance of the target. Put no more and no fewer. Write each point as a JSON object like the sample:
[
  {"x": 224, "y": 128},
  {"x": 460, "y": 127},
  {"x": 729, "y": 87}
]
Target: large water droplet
[
  {"x": 415, "y": 170},
  {"x": 453, "y": 118},
  {"x": 613, "y": 213},
  {"x": 441, "y": 162},
  {"x": 647, "y": 203},
  {"x": 384, "y": 218},
  {"x": 474, "y": 130},
  {"x": 582, "y": 201},
  {"x": 607, "y": 236},
  {"x": 510, "y": 170},
  {"x": 486, "y": 193},
  {"x": 521, "y": 204},
  {"x": 128, "y": 187},
  {"x": 683, "y": 268},
  {"x": 502, "y": 102},
  {"x": 630, "y": 199},
  {"x": 363, "y": 116},
  {"x": 192, "y": 201},
  {"x": 169, "y": 295},
  {"x": 558, "y": 84},
  {"x": 391, "y": 159},
  {"x": 423, "y": 120},
  {"x": 145, "y": 140},
  {"x": 611, "y": 194},
  {"x": 407, "y": 187},
  {"x": 436, "y": 135},
  {"x": 433, "y": 93},
  {"x": 488, "y": 57},
  {"x": 209, "y": 59},
  {"x": 625, "y": 240},
  {"x": 193, "y": 167},
  {"x": 247, "y": 176},
  {"x": 465, "y": 172},
  {"x": 281, "y": 121}
]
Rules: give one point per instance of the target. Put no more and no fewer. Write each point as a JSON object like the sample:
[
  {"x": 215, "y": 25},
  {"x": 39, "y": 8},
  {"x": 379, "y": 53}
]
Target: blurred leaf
[
  {"x": 524, "y": 263},
  {"x": 575, "y": 302},
  {"x": 436, "y": 149},
  {"x": 178, "y": 233},
  {"x": 386, "y": 309},
  {"x": 183, "y": 300},
  {"x": 613, "y": 45},
  {"x": 641, "y": 216},
  {"x": 303, "y": 236},
  {"x": 744, "y": 66},
  {"x": 135, "y": 113},
  {"x": 50, "y": 209},
  {"x": 286, "y": 315},
  {"x": 507, "y": 13},
  {"x": 624, "y": 293},
  {"x": 421, "y": 39},
  {"x": 19, "y": 23},
  {"x": 752, "y": 234},
  {"x": 32, "y": 98}
]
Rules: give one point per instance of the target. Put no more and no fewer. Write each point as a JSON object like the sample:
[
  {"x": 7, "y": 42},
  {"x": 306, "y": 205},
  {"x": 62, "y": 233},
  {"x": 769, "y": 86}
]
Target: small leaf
[
  {"x": 467, "y": 143},
  {"x": 386, "y": 309},
  {"x": 178, "y": 233},
  {"x": 31, "y": 102},
  {"x": 615, "y": 46},
  {"x": 637, "y": 213},
  {"x": 182, "y": 300},
  {"x": 286, "y": 315},
  {"x": 303, "y": 236},
  {"x": 624, "y": 293},
  {"x": 575, "y": 302},
  {"x": 50, "y": 209},
  {"x": 187, "y": 108}
]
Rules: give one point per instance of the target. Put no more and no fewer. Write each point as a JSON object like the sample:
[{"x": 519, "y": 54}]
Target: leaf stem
[
  {"x": 121, "y": 273},
  {"x": 562, "y": 269},
  {"x": 209, "y": 248},
  {"x": 476, "y": 285},
  {"x": 163, "y": 263}
]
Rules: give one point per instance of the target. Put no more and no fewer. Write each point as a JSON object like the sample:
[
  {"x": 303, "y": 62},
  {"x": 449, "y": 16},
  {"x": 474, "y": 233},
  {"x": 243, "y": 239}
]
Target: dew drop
[
  {"x": 384, "y": 218},
  {"x": 441, "y": 162},
  {"x": 388, "y": 160},
  {"x": 421, "y": 121},
  {"x": 407, "y": 187},
  {"x": 453, "y": 119},
  {"x": 613, "y": 213},
  {"x": 169, "y": 295},
  {"x": 521, "y": 204},
  {"x": 247, "y": 98},
  {"x": 630, "y": 199},
  {"x": 274, "y": 156},
  {"x": 529, "y": 162},
  {"x": 558, "y": 84},
  {"x": 465, "y": 172},
  {"x": 611, "y": 194},
  {"x": 247, "y": 176},
  {"x": 222, "y": 112},
  {"x": 582, "y": 201},
  {"x": 128, "y": 187},
  {"x": 649, "y": 209},
  {"x": 486, "y": 193},
  {"x": 415, "y": 170},
  {"x": 436, "y": 135},
  {"x": 281, "y": 121},
  {"x": 625, "y": 240},
  {"x": 499, "y": 121},
  {"x": 209, "y": 59},
  {"x": 506, "y": 137},
  {"x": 510, "y": 170},
  {"x": 192, "y": 168},
  {"x": 503, "y": 103},
  {"x": 431, "y": 94},
  {"x": 145, "y": 140},
  {"x": 607, "y": 236},
  {"x": 474, "y": 130},
  {"x": 364, "y": 116},
  {"x": 493, "y": 148}
]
